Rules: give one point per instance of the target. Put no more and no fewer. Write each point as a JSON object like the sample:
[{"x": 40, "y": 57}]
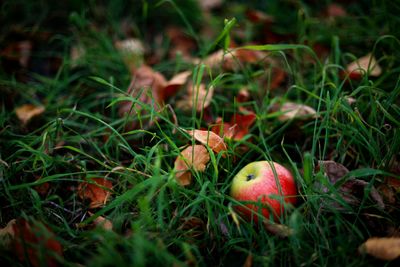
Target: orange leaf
[
  {"x": 96, "y": 192},
  {"x": 26, "y": 112},
  {"x": 195, "y": 157},
  {"x": 237, "y": 128},
  {"x": 35, "y": 242},
  {"x": 385, "y": 248},
  {"x": 210, "y": 139}
]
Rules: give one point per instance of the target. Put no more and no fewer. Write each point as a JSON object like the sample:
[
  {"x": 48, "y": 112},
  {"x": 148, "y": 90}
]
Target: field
[{"x": 123, "y": 124}]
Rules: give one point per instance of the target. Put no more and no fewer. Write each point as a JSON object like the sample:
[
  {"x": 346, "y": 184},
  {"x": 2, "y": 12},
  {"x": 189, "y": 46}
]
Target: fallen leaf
[
  {"x": 237, "y": 128},
  {"x": 19, "y": 51},
  {"x": 278, "y": 76},
  {"x": 384, "y": 248},
  {"x": 279, "y": 230},
  {"x": 207, "y": 5},
  {"x": 334, "y": 10},
  {"x": 28, "y": 111},
  {"x": 146, "y": 85},
  {"x": 249, "y": 261},
  {"x": 181, "y": 43},
  {"x": 210, "y": 139},
  {"x": 97, "y": 191},
  {"x": 36, "y": 243},
  {"x": 132, "y": 51},
  {"x": 352, "y": 190},
  {"x": 193, "y": 157},
  {"x": 77, "y": 55},
  {"x": 364, "y": 65},
  {"x": 174, "y": 84},
  {"x": 99, "y": 221},
  {"x": 217, "y": 59},
  {"x": 248, "y": 56},
  {"x": 7, "y": 234},
  {"x": 243, "y": 95},
  {"x": 104, "y": 223},
  {"x": 197, "y": 97},
  {"x": 257, "y": 16},
  {"x": 43, "y": 188},
  {"x": 333, "y": 170},
  {"x": 193, "y": 227},
  {"x": 292, "y": 111}
]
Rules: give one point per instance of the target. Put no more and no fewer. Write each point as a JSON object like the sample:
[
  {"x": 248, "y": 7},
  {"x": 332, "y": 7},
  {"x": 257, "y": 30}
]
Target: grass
[{"x": 155, "y": 220}]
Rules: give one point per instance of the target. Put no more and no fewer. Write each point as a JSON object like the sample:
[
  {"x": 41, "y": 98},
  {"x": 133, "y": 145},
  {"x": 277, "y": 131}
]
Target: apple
[{"x": 257, "y": 182}]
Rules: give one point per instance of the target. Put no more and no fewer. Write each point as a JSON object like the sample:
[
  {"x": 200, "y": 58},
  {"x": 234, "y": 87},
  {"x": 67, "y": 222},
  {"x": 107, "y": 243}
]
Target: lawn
[{"x": 124, "y": 123}]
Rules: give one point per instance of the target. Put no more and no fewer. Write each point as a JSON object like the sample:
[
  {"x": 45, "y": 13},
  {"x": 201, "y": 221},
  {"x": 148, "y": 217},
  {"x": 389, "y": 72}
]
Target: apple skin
[{"x": 256, "y": 182}]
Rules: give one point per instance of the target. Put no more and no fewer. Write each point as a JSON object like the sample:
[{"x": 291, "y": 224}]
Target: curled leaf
[
  {"x": 193, "y": 157},
  {"x": 97, "y": 191},
  {"x": 384, "y": 248},
  {"x": 210, "y": 139},
  {"x": 26, "y": 112}
]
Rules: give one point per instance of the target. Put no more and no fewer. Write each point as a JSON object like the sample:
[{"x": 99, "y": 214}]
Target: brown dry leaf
[
  {"x": 98, "y": 191},
  {"x": 7, "y": 234},
  {"x": 42, "y": 188},
  {"x": 195, "y": 157},
  {"x": 35, "y": 242},
  {"x": 26, "y": 112},
  {"x": 364, "y": 65},
  {"x": 249, "y": 261},
  {"x": 243, "y": 95},
  {"x": 257, "y": 16},
  {"x": 237, "y": 128},
  {"x": 175, "y": 83},
  {"x": 352, "y": 190},
  {"x": 102, "y": 222},
  {"x": 292, "y": 111},
  {"x": 132, "y": 51},
  {"x": 146, "y": 85},
  {"x": 216, "y": 59},
  {"x": 279, "y": 230},
  {"x": 77, "y": 54},
  {"x": 181, "y": 43},
  {"x": 193, "y": 227},
  {"x": 334, "y": 10},
  {"x": 197, "y": 97},
  {"x": 384, "y": 248},
  {"x": 207, "y": 5},
  {"x": 210, "y": 139},
  {"x": 333, "y": 170},
  {"x": 19, "y": 51}
]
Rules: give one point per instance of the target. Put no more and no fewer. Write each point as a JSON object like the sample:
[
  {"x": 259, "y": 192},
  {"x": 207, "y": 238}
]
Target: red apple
[{"x": 257, "y": 182}]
